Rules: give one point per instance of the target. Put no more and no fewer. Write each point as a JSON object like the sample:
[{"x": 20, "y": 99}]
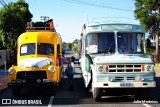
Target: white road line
[
  {"x": 51, "y": 101},
  {"x": 146, "y": 105}
]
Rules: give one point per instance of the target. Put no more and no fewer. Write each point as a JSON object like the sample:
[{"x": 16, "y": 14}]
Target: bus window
[
  {"x": 58, "y": 49},
  {"x": 27, "y": 49},
  {"x": 130, "y": 41},
  {"x": 45, "y": 49},
  {"x": 100, "y": 43}
]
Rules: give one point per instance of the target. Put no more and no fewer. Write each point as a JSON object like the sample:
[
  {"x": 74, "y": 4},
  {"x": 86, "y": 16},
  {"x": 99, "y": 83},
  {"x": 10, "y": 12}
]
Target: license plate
[{"x": 126, "y": 84}]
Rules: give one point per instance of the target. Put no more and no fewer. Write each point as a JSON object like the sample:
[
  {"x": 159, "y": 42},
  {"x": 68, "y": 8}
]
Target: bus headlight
[
  {"x": 11, "y": 71},
  {"x": 149, "y": 68},
  {"x": 51, "y": 69},
  {"x": 101, "y": 68}
]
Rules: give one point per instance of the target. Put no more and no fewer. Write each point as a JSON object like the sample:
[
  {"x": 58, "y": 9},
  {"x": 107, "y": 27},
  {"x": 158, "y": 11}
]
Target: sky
[{"x": 70, "y": 15}]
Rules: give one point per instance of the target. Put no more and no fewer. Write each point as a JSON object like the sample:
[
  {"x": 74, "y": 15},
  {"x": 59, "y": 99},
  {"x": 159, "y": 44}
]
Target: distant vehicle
[
  {"x": 68, "y": 53},
  {"x": 39, "y": 54}
]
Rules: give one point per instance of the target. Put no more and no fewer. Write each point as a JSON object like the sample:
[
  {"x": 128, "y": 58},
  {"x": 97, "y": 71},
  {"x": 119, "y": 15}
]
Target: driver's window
[{"x": 91, "y": 43}]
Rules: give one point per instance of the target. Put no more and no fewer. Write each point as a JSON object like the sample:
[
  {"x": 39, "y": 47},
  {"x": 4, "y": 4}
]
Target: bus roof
[
  {"x": 34, "y": 37},
  {"x": 112, "y": 27}
]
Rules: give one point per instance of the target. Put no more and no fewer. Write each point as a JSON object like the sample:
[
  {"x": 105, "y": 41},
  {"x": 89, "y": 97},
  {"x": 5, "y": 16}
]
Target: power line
[
  {"x": 36, "y": 4},
  {"x": 34, "y": 7},
  {"x": 7, "y": 1},
  {"x": 96, "y": 5},
  {"x": 3, "y": 3}
]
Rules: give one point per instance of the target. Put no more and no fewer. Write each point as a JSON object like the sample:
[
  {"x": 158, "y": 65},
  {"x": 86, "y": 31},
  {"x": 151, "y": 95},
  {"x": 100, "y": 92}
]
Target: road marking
[
  {"x": 51, "y": 101},
  {"x": 146, "y": 105}
]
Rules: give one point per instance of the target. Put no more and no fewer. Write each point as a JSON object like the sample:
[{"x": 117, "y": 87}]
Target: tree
[
  {"x": 75, "y": 45},
  {"x": 69, "y": 45},
  {"x": 13, "y": 19},
  {"x": 75, "y": 48},
  {"x": 148, "y": 12}
]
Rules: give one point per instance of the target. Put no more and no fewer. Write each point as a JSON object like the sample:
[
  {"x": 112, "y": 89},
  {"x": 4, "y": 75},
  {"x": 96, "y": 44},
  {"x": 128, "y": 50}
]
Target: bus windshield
[
  {"x": 100, "y": 43},
  {"x": 27, "y": 49},
  {"x": 129, "y": 43},
  {"x": 42, "y": 49},
  {"x": 45, "y": 49}
]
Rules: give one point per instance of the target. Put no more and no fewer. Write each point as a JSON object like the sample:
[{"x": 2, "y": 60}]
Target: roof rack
[
  {"x": 38, "y": 29},
  {"x": 100, "y": 20},
  {"x": 40, "y": 26}
]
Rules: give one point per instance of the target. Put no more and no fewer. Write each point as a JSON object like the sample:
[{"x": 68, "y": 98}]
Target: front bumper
[
  {"x": 125, "y": 80},
  {"x": 151, "y": 84},
  {"x": 17, "y": 83},
  {"x": 31, "y": 85}
]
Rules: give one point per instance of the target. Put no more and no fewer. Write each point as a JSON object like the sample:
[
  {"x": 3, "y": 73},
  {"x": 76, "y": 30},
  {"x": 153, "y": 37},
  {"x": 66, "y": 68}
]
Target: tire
[
  {"x": 89, "y": 87},
  {"x": 96, "y": 94},
  {"x": 146, "y": 93},
  {"x": 91, "y": 62},
  {"x": 16, "y": 91},
  {"x": 143, "y": 94}
]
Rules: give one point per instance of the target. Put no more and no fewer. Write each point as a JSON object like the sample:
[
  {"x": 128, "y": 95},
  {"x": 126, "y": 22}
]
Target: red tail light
[{"x": 58, "y": 61}]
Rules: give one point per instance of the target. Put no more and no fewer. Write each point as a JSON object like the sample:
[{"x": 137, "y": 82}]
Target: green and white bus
[{"x": 113, "y": 56}]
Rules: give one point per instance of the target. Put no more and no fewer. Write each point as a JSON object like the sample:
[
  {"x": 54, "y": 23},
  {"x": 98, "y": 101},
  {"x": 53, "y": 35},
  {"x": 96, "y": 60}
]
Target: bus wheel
[
  {"x": 143, "y": 94},
  {"x": 16, "y": 91},
  {"x": 96, "y": 93}
]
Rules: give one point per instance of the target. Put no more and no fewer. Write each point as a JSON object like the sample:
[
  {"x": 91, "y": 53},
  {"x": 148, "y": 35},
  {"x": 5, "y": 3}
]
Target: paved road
[{"x": 77, "y": 98}]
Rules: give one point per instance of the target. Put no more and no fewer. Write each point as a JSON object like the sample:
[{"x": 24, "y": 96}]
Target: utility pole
[{"x": 44, "y": 18}]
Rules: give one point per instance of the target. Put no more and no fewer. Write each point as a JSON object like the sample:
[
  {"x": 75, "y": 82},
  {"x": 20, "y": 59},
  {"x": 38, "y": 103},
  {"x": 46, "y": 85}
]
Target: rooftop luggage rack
[
  {"x": 40, "y": 26},
  {"x": 38, "y": 29}
]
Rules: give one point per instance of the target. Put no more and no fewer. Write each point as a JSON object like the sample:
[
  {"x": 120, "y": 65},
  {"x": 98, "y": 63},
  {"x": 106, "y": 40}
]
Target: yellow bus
[{"x": 38, "y": 59}]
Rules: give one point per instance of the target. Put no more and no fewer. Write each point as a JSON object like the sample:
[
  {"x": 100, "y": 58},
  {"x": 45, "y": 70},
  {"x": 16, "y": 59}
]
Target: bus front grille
[
  {"x": 124, "y": 68},
  {"x": 31, "y": 76}
]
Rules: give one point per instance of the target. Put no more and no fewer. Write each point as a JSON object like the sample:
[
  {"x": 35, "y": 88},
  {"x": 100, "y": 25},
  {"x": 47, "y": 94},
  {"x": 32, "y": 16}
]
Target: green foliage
[
  {"x": 146, "y": 11},
  {"x": 73, "y": 46},
  {"x": 13, "y": 19},
  {"x": 69, "y": 45},
  {"x": 150, "y": 50}
]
